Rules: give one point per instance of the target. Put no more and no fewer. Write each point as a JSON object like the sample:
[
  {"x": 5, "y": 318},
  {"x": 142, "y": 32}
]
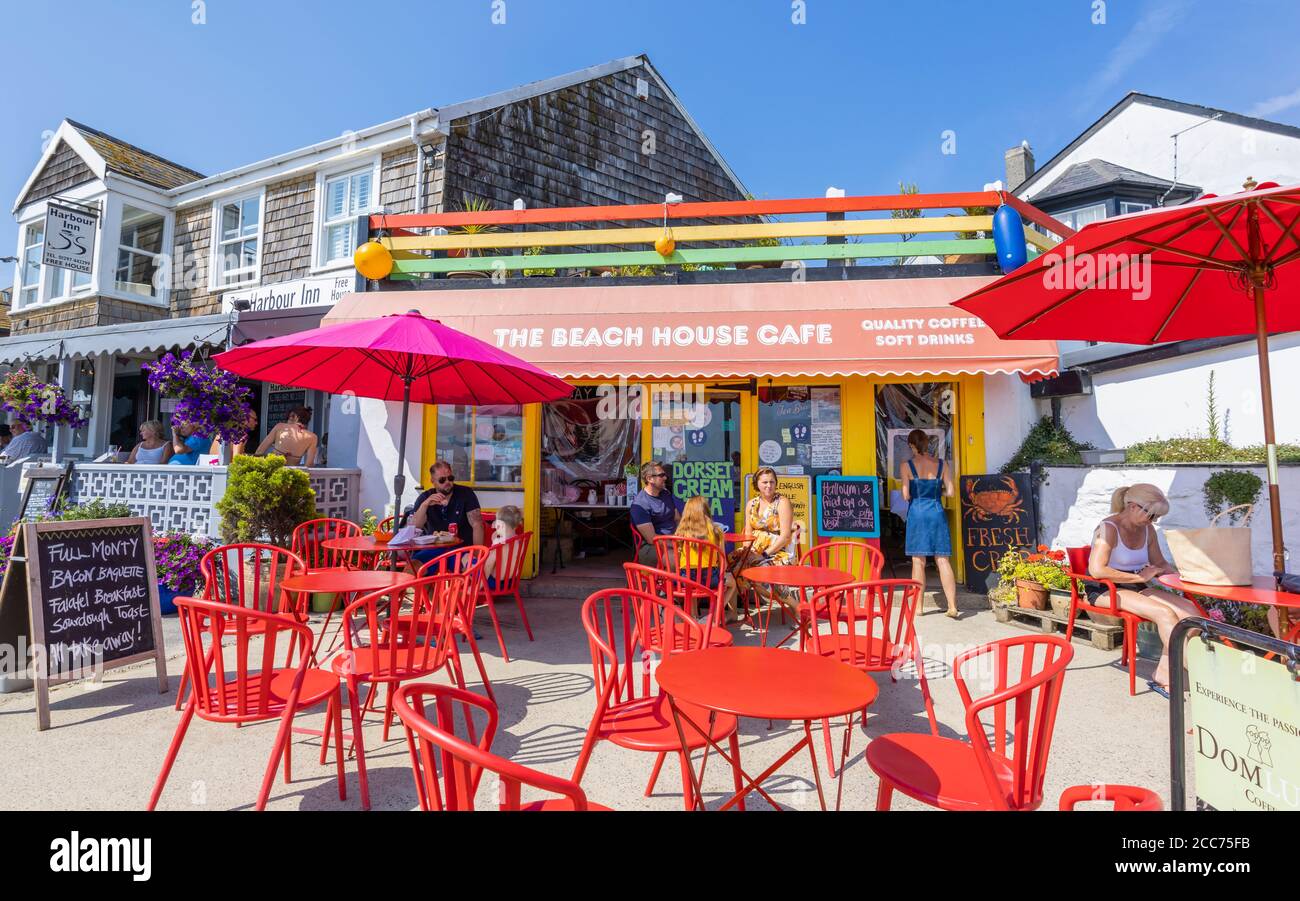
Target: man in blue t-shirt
[
  {"x": 654, "y": 510},
  {"x": 187, "y": 444}
]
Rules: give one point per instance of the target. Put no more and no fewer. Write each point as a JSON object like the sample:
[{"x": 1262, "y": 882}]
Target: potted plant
[
  {"x": 177, "y": 556},
  {"x": 534, "y": 252},
  {"x": 470, "y": 204},
  {"x": 761, "y": 264},
  {"x": 265, "y": 500},
  {"x": 1034, "y": 576}
]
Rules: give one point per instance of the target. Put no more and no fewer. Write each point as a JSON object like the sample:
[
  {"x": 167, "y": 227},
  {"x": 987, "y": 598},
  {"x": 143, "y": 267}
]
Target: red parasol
[
  {"x": 405, "y": 357},
  {"x": 1216, "y": 267}
]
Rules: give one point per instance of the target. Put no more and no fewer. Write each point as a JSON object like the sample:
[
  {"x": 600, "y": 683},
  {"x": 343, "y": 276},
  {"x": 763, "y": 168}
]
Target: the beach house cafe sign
[{"x": 310, "y": 292}]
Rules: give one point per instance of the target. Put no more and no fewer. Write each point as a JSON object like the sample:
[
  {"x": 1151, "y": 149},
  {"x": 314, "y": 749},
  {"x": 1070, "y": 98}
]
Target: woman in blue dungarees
[{"x": 927, "y": 526}]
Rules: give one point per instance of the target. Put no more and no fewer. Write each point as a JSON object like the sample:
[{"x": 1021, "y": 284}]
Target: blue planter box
[{"x": 166, "y": 600}]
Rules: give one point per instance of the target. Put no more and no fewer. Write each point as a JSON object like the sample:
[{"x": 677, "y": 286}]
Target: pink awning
[{"x": 890, "y": 326}]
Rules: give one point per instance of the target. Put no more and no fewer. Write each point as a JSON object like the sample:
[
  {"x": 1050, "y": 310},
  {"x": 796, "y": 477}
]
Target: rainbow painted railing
[{"x": 423, "y": 244}]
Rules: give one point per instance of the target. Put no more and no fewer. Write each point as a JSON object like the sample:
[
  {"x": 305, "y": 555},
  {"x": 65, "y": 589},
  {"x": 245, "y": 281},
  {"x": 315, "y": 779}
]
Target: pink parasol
[{"x": 405, "y": 357}]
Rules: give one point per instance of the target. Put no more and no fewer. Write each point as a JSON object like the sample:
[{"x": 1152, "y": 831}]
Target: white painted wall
[
  {"x": 1167, "y": 399},
  {"x": 1075, "y": 498},
  {"x": 1009, "y": 413},
  {"x": 1216, "y": 157},
  {"x": 380, "y": 429}
]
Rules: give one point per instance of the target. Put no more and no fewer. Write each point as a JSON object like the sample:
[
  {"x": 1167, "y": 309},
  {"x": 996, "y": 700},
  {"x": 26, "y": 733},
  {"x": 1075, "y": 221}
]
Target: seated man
[
  {"x": 25, "y": 443},
  {"x": 446, "y": 507},
  {"x": 654, "y": 511}
]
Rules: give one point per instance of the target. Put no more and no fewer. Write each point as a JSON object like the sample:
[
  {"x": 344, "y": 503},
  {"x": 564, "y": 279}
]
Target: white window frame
[
  {"x": 1067, "y": 216},
  {"x": 163, "y": 257},
  {"x": 323, "y": 177},
  {"x": 1138, "y": 207},
  {"x": 216, "y": 265},
  {"x": 46, "y": 275}
]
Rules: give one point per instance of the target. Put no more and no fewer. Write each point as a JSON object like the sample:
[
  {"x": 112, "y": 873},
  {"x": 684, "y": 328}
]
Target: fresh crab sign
[{"x": 996, "y": 515}]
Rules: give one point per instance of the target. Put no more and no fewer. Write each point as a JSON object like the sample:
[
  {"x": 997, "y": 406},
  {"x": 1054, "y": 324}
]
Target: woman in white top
[
  {"x": 153, "y": 449},
  {"x": 1125, "y": 551}
]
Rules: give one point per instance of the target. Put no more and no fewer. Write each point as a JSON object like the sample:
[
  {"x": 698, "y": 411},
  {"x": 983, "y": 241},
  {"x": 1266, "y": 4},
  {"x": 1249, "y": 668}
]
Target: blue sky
[{"x": 858, "y": 96}]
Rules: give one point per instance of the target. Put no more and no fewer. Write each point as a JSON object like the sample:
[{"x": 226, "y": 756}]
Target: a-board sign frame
[
  {"x": 62, "y": 476},
  {"x": 31, "y": 535},
  {"x": 875, "y": 498}
]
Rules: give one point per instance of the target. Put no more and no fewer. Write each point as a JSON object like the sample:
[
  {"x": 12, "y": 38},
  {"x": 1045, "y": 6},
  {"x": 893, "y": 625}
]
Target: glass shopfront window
[
  {"x": 799, "y": 429},
  {"x": 484, "y": 445},
  {"x": 82, "y": 394}
]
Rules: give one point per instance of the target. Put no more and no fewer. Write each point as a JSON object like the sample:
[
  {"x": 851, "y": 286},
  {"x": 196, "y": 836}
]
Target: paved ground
[{"x": 108, "y": 741}]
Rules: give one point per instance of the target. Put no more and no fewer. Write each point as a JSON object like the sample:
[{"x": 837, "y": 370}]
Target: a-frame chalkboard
[
  {"x": 91, "y": 601},
  {"x": 46, "y": 485}
]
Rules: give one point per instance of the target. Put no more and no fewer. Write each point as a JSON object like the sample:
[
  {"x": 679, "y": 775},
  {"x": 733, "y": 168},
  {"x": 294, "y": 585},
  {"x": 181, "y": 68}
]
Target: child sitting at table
[
  {"x": 507, "y": 521},
  {"x": 695, "y": 523}
]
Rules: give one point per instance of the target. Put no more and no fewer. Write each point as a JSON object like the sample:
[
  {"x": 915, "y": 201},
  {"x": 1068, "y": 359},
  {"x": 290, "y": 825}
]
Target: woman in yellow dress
[{"x": 769, "y": 521}]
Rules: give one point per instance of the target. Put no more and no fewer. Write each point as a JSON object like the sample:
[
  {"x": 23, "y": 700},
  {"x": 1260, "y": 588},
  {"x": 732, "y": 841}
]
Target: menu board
[
  {"x": 848, "y": 506},
  {"x": 799, "y": 429},
  {"x": 45, "y": 484},
  {"x": 997, "y": 514},
  {"x": 280, "y": 402},
  {"x": 92, "y": 599}
]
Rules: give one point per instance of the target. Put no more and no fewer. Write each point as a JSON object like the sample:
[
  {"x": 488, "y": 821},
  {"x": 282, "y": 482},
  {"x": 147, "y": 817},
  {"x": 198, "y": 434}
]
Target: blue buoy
[{"x": 1009, "y": 239}]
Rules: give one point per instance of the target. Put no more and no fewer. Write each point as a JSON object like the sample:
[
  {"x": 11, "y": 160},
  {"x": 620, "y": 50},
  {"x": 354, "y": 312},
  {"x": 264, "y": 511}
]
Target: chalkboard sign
[
  {"x": 45, "y": 486},
  {"x": 92, "y": 600},
  {"x": 848, "y": 506},
  {"x": 279, "y": 404},
  {"x": 996, "y": 515}
]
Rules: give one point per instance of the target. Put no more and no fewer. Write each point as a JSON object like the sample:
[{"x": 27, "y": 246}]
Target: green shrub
[
  {"x": 265, "y": 501},
  {"x": 1229, "y": 488},
  {"x": 95, "y": 509},
  {"x": 1049, "y": 442},
  {"x": 1188, "y": 449}
]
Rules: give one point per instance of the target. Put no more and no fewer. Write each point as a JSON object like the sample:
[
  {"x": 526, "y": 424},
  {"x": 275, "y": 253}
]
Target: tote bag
[{"x": 1214, "y": 555}]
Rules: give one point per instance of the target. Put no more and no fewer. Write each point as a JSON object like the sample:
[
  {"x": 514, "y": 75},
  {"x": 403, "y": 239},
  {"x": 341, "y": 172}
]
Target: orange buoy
[
  {"x": 665, "y": 245},
  {"x": 373, "y": 260}
]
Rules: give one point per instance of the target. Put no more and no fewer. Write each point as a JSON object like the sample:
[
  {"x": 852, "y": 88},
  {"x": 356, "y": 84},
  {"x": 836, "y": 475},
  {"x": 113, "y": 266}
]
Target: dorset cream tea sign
[{"x": 1245, "y": 714}]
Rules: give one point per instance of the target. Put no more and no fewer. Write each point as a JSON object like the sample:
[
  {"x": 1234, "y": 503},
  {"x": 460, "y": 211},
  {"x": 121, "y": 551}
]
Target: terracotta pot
[
  {"x": 1031, "y": 595},
  {"x": 469, "y": 273},
  {"x": 760, "y": 264}
]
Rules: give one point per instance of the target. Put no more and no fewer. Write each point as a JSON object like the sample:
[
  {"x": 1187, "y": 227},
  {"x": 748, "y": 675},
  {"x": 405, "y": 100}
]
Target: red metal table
[
  {"x": 367, "y": 546},
  {"x": 1262, "y": 590},
  {"x": 765, "y": 683},
  {"x": 349, "y": 583},
  {"x": 806, "y": 579}
]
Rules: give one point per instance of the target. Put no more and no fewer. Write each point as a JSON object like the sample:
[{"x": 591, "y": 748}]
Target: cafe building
[{"x": 817, "y": 371}]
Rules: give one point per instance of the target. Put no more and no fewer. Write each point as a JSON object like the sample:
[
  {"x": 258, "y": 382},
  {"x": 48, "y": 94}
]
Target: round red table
[
  {"x": 369, "y": 547},
  {"x": 765, "y": 683},
  {"x": 344, "y": 582},
  {"x": 807, "y": 579},
  {"x": 1262, "y": 590}
]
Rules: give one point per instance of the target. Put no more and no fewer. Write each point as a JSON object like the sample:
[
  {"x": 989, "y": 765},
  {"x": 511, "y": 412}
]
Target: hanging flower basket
[
  {"x": 32, "y": 401},
  {"x": 209, "y": 399}
]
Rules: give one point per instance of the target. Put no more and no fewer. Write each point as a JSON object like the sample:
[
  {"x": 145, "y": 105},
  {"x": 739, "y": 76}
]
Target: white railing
[{"x": 184, "y": 498}]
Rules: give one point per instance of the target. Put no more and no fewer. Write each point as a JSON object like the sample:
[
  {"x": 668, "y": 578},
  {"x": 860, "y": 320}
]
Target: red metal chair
[
  {"x": 863, "y": 561},
  {"x": 685, "y": 594},
  {"x": 461, "y": 763},
  {"x": 248, "y": 575},
  {"x": 637, "y": 541},
  {"x": 240, "y": 683},
  {"x": 702, "y": 562},
  {"x": 1124, "y": 797},
  {"x": 508, "y": 560},
  {"x": 1002, "y": 764},
  {"x": 378, "y": 653},
  {"x": 871, "y": 627},
  {"x": 630, "y": 711},
  {"x": 468, "y": 559},
  {"x": 1078, "y": 573},
  {"x": 309, "y": 543}
]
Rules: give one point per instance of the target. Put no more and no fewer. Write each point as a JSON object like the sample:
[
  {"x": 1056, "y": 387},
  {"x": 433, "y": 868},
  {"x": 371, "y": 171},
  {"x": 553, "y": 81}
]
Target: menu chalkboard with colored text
[{"x": 848, "y": 506}]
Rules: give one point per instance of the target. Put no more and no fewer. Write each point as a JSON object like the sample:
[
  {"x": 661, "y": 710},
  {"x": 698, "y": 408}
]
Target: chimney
[{"x": 1020, "y": 165}]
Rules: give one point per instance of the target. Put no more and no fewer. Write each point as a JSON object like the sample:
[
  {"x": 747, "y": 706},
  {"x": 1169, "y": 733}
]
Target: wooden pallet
[{"x": 1105, "y": 638}]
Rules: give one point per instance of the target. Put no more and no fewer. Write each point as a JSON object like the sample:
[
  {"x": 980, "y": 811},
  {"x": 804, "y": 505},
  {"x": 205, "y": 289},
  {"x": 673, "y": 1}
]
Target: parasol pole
[
  {"x": 399, "y": 480},
  {"x": 1270, "y": 438}
]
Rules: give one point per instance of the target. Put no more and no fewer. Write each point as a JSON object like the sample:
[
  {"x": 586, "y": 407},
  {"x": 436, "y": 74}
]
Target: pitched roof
[
  {"x": 1101, "y": 173},
  {"x": 1132, "y": 97},
  {"x": 127, "y": 159}
]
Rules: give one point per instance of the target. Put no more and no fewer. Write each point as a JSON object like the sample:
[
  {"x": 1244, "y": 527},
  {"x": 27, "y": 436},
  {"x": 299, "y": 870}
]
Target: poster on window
[
  {"x": 900, "y": 452},
  {"x": 69, "y": 239}
]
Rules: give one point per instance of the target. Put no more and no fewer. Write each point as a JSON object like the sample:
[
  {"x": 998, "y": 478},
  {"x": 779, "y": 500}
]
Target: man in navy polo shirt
[
  {"x": 654, "y": 510},
  {"x": 442, "y": 506}
]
